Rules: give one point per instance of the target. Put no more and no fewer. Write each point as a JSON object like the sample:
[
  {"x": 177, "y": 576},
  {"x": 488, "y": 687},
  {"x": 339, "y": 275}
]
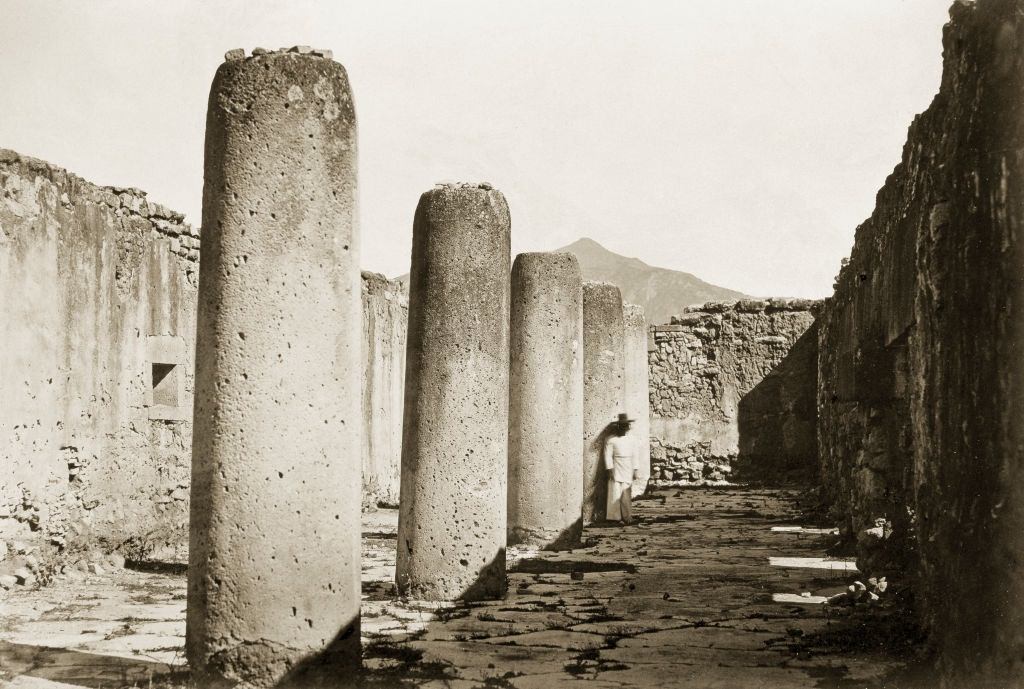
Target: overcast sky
[{"x": 741, "y": 141}]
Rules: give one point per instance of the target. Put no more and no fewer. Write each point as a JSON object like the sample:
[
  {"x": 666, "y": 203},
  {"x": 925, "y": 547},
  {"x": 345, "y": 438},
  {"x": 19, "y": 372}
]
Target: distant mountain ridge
[{"x": 662, "y": 292}]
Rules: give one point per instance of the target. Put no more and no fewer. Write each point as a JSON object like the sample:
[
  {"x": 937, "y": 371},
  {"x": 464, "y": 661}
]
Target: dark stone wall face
[
  {"x": 921, "y": 370},
  {"x": 732, "y": 390}
]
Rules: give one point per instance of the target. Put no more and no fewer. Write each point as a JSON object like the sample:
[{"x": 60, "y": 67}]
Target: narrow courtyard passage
[{"x": 706, "y": 589}]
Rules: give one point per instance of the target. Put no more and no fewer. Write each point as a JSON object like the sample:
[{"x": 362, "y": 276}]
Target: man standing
[{"x": 620, "y": 459}]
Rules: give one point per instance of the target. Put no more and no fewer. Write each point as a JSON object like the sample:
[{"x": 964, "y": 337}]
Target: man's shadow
[{"x": 598, "y": 478}]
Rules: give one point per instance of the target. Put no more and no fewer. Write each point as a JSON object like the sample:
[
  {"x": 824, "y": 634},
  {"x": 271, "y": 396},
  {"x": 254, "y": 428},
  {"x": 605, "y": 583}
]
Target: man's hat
[{"x": 624, "y": 418}]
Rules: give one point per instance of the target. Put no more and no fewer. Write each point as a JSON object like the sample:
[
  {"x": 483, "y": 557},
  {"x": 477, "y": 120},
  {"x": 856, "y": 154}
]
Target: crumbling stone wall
[
  {"x": 732, "y": 389},
  {"x": 385, "y": 317},
  {"x": 98, "y": 315},
  {"x": 922, "y": 382},
  {"x": 101, "y": 286}
]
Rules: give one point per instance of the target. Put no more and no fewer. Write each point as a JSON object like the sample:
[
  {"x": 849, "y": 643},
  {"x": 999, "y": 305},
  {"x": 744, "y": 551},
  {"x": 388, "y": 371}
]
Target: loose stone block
[
  {"x": 604, "y": 392},
  {"x": 274, "y": 566},
  {"x": 452, "y": 508},
  {"x": 637, "y": 393},
  {"x": 545, "y": 494}
]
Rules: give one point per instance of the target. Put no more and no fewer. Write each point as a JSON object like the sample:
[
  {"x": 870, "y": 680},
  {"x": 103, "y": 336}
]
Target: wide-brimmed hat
[{"x": 624, "y": 418}]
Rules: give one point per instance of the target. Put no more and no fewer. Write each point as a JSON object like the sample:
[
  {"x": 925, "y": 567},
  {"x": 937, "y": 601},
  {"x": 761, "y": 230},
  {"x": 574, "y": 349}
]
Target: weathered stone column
[
  {"x": 273, "y": 579},
  {"x": 545, "y": 494},
  {"x": 385, "y": 315},
  {"x": 451, "y": 524},
  {"x": 603, "y": 387},
  {"x": 638, "y": 404}
]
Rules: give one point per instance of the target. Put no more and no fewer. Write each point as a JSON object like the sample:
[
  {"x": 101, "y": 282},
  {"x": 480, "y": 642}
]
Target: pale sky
[{"x": 742, "y": 140}]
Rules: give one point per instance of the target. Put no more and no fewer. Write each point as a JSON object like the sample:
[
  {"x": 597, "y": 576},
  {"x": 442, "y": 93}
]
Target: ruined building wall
[
  {"x": 98, "y": 317},
  {"x": 385, "y": 316},
  {"x": 101, "y": 286},
  {"x": 922, "y": 382},
  {"x": 732, "y": 389}
]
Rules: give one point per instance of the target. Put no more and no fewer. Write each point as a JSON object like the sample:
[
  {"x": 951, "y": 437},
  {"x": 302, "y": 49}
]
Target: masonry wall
[
  {"x": 385, "y": 317},
  {"x": 732, "y": 390},
  {"x": 98, "y": 316},
  {"x": 922, "y": 380},
  {"x": 96, "y": 371}
]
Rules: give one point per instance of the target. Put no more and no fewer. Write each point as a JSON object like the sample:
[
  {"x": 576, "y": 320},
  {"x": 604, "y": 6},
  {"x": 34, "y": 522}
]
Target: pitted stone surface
[
  {"x": 455, "y": 432},
  {"x": 604, "y": 386},
  {"x": 274, "y": 556},
  {"x": 545, "y": 493},
  {"x": 638, "y": 404}
]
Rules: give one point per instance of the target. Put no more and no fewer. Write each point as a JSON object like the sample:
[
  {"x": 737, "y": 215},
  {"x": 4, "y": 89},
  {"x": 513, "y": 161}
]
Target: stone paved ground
[{"x": 684, "y": 598}]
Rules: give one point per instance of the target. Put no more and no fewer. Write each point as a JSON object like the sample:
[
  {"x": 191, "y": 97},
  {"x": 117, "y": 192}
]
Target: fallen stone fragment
[
  {"x": 7, "y": 581},
  {"x": 806, "y": 530},
  {"x": 324, "y": 53},
  {"x": 234, "y": 55},
  {"x": 814, "y": 563},
  {"x": 23, "y": 575},
  {"x": 95, "y": 568}
]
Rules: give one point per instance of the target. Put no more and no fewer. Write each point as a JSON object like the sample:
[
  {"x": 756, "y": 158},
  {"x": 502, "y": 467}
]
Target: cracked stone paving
[{"x": 709, "y": 588}]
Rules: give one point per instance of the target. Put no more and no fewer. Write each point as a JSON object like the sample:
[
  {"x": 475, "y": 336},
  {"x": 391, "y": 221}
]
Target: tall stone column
[
  {"x": 604, "y": 391},
  {"x": 545, "y": 494},
  {"x": 638, "y": 403},
  {"x": 451, "y": 524},
  {"x": 273, "y": 579}
]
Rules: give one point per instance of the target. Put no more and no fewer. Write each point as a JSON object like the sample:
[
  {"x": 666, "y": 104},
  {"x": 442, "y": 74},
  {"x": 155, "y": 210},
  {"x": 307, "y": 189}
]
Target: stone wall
[
  {"x": 385, "y": 316},
  {"x": 921, "y": 378},
  {"x": 96, "y": 371},
  {"x": 732, "y": 387},
  {"x": 98, "y": 315}
]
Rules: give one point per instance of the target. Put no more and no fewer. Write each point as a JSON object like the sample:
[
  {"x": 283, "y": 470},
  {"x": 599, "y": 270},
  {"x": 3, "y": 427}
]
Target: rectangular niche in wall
[{"x": 165, "y": 384}]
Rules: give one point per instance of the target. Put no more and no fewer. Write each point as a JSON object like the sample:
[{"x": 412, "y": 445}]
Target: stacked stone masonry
[
  {"x": 732, "y": 389},
  {"x": 921, "y": 379}
]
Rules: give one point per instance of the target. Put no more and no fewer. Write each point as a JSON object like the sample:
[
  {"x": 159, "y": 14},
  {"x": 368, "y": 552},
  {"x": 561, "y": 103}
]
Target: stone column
[
  {"x": 273, "y": 578},
  {"x": 603, "y": 387},
  {"x": 545, "y": 494},
  {"x": 451, "y": 524},
  {"x": 637, "y": 395}
]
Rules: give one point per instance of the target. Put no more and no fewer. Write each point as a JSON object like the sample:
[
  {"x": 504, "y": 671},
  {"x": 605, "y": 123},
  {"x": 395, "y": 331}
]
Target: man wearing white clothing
[{"x": 620, "y": 459}]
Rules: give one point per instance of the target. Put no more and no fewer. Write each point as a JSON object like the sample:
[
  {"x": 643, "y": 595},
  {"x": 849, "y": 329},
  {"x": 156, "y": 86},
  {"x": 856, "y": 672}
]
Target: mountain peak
[
  {"x": 662, "y": 292},
  {"x": 585, "y": 243}
]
